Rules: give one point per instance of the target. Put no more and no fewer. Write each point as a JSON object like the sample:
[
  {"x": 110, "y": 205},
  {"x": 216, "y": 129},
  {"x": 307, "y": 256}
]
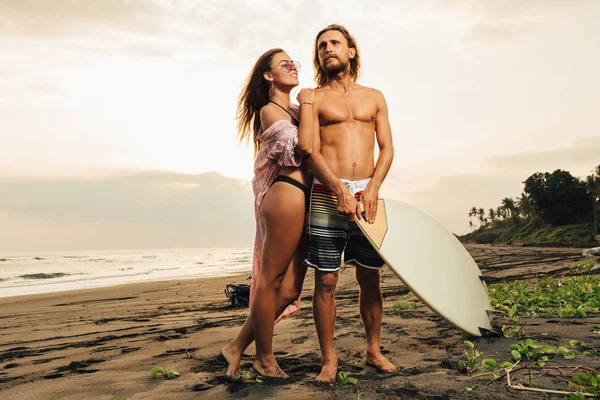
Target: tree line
[{"x": 557, "y": 198}]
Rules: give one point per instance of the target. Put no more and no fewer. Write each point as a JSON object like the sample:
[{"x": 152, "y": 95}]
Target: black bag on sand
[{"x": 239, "y": 295}]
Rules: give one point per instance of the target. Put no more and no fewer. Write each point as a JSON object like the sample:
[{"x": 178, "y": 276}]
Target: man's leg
[
  {"x": 324, "y": 313},
  {"x": 371, "y": 309}
]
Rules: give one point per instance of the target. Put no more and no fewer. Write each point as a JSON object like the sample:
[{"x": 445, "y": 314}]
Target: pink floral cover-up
[{"x": 277, "y": 149}]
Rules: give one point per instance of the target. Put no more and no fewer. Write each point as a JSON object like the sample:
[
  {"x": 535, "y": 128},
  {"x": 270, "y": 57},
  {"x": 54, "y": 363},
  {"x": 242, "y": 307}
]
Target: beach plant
[
  {"x": 567, "y": 297},
  {"x": 531, "y": 350},
  {"x": 402, "y": 305},
  {"x": 251, "y": 375},
  {"x": 587, "y": 383},
  {"x": 167, "y": 373},
  {"x": 583, "y": 266},
  {"x": 344, "y": 379},
  {"x": 405, "y": 306},
  {"x": 472, "y": 354}
]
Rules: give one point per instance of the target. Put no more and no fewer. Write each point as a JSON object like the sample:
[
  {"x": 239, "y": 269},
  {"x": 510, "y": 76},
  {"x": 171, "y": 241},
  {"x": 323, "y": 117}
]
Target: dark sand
[{"x": 102, "y": 343}]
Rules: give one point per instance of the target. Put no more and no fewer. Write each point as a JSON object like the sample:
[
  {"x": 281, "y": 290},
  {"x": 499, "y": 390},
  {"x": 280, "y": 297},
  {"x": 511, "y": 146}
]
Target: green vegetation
[
  {"x": 563, "y": 297},
  {"x": 344, "y": 379},
  {"x": 554, "y": 209},
  {"x": 531, "y": 357},
  {"x": 165, "y": 372},
  {"x": 471, "y": 363},
  {"x": 405, "y": 306}
]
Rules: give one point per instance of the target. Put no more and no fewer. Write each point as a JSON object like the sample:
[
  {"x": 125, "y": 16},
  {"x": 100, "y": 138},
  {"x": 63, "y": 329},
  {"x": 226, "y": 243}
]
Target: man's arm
[
  {"x": 383, "y": 133},
  {"x": 346, "y": 204}
]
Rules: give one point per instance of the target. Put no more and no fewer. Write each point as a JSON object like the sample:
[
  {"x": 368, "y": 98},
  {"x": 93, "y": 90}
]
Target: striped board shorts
[{"x": 331, "y": 233}]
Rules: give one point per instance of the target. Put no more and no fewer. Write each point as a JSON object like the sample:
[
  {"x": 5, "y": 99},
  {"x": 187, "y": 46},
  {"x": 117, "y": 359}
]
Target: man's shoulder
[{"x": 372, "y": 91}]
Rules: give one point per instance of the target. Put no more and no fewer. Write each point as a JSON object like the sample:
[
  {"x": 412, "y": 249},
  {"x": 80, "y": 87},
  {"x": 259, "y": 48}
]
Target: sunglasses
[{"x": 288, "y": 66}]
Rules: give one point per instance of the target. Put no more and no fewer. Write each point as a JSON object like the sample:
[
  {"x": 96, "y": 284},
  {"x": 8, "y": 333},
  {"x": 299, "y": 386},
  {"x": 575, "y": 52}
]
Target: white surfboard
[{"x": 432, "y": 263}]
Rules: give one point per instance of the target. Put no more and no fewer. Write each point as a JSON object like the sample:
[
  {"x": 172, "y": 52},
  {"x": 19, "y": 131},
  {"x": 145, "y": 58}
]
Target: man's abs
[{"x": 348, "y": 149}]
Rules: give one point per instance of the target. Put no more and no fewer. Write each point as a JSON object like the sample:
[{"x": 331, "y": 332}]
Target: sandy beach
[{"x": 103, "y": 343}]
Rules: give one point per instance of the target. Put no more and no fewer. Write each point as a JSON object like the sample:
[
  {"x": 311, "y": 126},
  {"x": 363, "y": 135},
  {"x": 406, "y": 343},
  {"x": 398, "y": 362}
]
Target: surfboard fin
[
  {"x": 491, "y": 311},
  {"x": 489, "y": 333}
]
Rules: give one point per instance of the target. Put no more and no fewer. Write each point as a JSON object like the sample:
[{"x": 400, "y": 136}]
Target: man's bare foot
[
  {"x": 381, "y": 363},
  {"x": 269, "y": 371},
  {"x": 233, "y": 359},
  {"x": 328, "y": 371}
]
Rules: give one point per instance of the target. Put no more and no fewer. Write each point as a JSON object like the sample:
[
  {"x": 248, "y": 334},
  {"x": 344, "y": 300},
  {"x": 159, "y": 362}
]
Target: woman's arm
[{"x": 305, "y": 129}]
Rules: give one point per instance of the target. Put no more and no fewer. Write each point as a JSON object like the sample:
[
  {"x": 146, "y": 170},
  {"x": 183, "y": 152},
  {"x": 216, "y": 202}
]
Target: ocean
[{"x": 45, "y": 272}]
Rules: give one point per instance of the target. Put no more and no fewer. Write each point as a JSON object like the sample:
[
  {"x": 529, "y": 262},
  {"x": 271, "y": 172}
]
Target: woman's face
[{"x": 284, "y": 71}]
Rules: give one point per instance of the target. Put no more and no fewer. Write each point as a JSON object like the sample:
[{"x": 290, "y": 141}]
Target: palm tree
[
  {"x": 481, "y": 214},
  {"x": 508, "y": 205},
  {"x": 500, "y": 213},
  {"x": 471, "y": 226},
  {"x": 472, "y": 213},
  {"x": 492, "y": 215}
]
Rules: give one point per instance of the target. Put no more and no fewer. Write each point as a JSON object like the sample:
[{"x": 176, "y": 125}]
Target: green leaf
[
  {"x": 532, "y": 344},
  {"x": 469, "y": 344},
  {"x": 489, "y": 364},
  {"x": 156, "y": 370},
  {"x": 548, "y": 349},
  {"x": 569, "y": 355},
  {"x": 572, "y": 343},
  {"x": 512, "y": 311},
  {"x": 516, "y": 355},
  {"x": 507, "y": 364}
]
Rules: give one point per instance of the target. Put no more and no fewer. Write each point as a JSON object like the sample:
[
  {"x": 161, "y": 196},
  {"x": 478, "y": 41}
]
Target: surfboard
[{"x": 432, "y": 263}]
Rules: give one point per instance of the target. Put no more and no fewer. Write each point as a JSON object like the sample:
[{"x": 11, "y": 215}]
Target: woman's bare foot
[
  {"x": 272, "y": 370},
  {"x": 328, "y": 371},
  {"x": 382, "y": 364},
  {"x": 233, "y": 359}
]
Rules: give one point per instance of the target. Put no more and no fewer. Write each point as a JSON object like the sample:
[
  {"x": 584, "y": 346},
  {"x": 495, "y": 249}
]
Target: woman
[{"x": 281, "y": 139}]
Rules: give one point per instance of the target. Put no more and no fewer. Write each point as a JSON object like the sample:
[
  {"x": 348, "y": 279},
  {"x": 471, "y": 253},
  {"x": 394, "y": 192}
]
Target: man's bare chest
[{"x": 338, "y": 110}]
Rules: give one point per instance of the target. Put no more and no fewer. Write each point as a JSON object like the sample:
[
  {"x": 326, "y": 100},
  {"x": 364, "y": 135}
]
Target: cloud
[
  {"x": 63, "y": 17},
  {"x": 493, "y": 33},
  {"x": 148, "y": 50},
  {"x": 163, "y": 207},
  {"x": 496, "y": 22},
  {"x": 44, "y": 89},
  {"x": 580, "y": 153},
  {"x": 509, "y": 9}
]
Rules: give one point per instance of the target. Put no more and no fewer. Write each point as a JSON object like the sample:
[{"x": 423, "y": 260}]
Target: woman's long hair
[
  {"x": 254, "y": 96},
  {"x": 320, "y": 73}
]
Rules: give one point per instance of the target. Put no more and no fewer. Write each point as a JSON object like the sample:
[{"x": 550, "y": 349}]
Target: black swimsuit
[{"x": 287, "y": 179}]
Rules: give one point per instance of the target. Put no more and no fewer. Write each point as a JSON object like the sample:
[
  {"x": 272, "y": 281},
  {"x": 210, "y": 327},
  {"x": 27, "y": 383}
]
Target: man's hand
[
  {"x": 347, "y": 204},
  {"x": 369, "y": 198}
]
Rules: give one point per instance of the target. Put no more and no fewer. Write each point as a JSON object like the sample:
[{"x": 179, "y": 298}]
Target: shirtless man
[{"x": 348, "y": 118}]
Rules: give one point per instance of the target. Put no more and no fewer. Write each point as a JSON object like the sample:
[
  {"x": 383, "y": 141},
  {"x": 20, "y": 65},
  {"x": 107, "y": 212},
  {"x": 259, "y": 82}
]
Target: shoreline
[
  {"x": 106, "y": 286},
  {"x": 102, "y": 343}
]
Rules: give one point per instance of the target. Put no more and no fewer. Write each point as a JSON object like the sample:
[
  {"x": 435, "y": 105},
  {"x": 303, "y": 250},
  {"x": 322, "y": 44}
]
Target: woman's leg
[
  {"x": 288, "y": 292},
  {"x": 284, "y": 222}
]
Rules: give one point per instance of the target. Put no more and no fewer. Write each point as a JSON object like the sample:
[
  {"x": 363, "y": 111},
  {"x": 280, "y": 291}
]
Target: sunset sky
[{"x": 481, "y": 95}]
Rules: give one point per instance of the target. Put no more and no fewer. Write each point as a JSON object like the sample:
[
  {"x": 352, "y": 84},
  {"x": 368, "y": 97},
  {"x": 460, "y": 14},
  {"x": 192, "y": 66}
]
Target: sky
[{"x": 481, "y": 95}]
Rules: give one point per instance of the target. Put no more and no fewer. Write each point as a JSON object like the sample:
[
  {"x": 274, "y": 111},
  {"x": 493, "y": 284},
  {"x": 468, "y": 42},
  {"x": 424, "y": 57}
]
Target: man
[{"x": 348, "y": 118}]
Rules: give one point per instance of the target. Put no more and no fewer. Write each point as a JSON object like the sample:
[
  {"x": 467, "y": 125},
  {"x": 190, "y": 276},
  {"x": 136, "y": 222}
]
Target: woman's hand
[{"x": 306, "y": 96}]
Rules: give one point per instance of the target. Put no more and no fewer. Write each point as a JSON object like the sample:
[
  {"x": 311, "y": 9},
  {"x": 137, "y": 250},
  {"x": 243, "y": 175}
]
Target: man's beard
[{"x": 335, "y": 69}]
